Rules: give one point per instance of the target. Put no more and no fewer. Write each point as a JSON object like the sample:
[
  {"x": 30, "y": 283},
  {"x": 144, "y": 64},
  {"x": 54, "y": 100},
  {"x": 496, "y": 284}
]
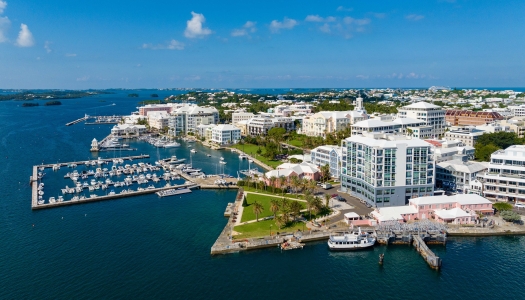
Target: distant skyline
[{"x": 268, "y": 44}]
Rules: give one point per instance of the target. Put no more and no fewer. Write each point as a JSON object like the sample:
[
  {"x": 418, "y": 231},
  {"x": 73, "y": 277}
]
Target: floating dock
[{"x": 105, "y": 160}]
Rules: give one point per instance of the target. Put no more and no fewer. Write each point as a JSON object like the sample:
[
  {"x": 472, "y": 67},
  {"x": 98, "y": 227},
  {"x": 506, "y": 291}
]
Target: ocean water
[{"x": 158, "y": 248}]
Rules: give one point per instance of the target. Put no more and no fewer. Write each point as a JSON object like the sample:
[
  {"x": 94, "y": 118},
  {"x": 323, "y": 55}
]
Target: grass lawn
[
  {"x": 268, "y": 191},
  {"x": 262, "y": 228},
  {"x": 295, "y": 142},
  {"x": 248, "y": 214},
  {"x": 251, "y": 149}
]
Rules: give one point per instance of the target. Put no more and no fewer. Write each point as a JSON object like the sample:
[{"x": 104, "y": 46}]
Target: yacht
[
  {"x": 208, "y": 155},
  {"x": 193, "y": 151},
  {"x": 171, "y": 145},
  {"x": 222, "y": 162},
  {"x": 351, "y": 241},
  {"x": 52, "y": 200},
  {"x": 243, "y": 156}
]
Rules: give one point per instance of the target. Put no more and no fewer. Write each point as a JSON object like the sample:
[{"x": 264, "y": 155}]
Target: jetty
[
  {"x": 433, "y": 261},
  {"x": 84, "y": 118},
  {"x": 105, "y": 160}
]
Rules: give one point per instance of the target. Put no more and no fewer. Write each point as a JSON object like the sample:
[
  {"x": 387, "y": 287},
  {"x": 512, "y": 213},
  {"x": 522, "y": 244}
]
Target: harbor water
[{"x": 147, "y": 247}]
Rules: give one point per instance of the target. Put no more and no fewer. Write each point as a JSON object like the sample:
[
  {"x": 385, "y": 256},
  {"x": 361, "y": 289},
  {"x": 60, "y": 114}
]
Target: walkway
[{"x": 260, "y": 163}]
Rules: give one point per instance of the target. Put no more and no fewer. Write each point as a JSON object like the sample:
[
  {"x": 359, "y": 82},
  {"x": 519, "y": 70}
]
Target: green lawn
[
  {"x": 268, "y": 191},
  {"x": 251, "y": 149},
  {"x": 248, "y": 214},
  {"x": 295, "y": 142},
  {"x": 262, "y": 228}
]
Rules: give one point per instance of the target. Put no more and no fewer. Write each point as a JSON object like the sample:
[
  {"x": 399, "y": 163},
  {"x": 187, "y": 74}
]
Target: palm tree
[
  {"x": 264, "y": 178},
  {"x": 304, "y": 183},
  {"x": 309, "y": 203},
  {"x": 295, "y": 209},
  {"x": 317, "y": 204},
  {"x": 282, "y": 183},
  {"x": 295, "y": 182},
  {"x": 257, "y": 209},
  {"x": 273, "y": 181},
  {"x": 248, "y": 179},
  {"x": 312, "y": 185},
  {"x": 274, "y": 207},
  {"x": 325, "y": 172},
  {"x": 279, "y": 221},
  {"x": 327, "y": 199}
]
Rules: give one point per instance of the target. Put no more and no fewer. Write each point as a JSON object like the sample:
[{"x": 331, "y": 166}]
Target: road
[{"x": 359, "y": 208}]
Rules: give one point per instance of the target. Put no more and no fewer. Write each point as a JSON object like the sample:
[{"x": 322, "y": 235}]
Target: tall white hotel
[{"x": 387, "y": 170}]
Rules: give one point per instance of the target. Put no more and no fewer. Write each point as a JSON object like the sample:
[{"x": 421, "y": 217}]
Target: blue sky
[{"x": 295, "y": 43}]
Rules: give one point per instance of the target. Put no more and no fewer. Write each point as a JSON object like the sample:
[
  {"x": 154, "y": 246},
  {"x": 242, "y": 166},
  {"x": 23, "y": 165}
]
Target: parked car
[{"x": 520, "y": 205}]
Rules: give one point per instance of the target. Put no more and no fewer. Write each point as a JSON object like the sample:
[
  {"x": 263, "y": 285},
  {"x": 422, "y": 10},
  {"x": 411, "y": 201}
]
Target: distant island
[
  {"x": 49, "y": 103},
  {"x": 44, "y": 95},
  {"x": 133, "y": 95},
  {"x": 27, "y": 104}
]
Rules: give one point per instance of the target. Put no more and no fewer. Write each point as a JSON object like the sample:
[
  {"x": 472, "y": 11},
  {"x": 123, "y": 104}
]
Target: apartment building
[
  {"x": 456, "y": 175},
  {"x": 468, "y": 135},
  {"x": 433, "y": 115},
  {"x": 241, "y": 116},
  {"x": 225, "y": 134},
  {"x": 261, "y": 125},
  {"x": 505, "y": 179},
  {"x": 186, "y": 118},
  {"x": 386, "y": 169},
  {"x": 328, "y": 155}
]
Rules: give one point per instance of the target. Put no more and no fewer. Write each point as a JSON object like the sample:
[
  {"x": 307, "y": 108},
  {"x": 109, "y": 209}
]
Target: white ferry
[
  {"x": 351, "y": 241},
  {"x": 173, "y": 192}
]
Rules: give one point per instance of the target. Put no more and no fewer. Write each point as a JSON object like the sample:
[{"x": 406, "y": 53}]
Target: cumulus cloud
[
  {"x": 247, "y": 28},
  {"x": 171, "y": 45},
  {"x": 4, "y": 25},
  {"x": 317, "y": 18},
  {"x": 342, "y": 8},
  {"x": 194, "y": 27},
  {"x": 3, "y": 5},
  {"x": 25, "y": 37},
  {"x": 47, "y": 47},
  {"x": 414, "y": 17},
  {"x": 276, "y": 26}
]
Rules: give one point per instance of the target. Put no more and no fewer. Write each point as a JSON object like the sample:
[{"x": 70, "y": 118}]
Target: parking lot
[{"x": 351, "y": 203}]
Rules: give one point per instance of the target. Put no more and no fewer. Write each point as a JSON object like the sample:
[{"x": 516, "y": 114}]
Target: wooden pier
[{"x": 130, "y": 158}]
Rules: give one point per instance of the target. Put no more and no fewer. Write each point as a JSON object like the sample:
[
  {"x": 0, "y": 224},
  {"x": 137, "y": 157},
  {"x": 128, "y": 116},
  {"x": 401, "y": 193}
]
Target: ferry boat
[
  {"x": 351, "y": 241},
  {"x": 173, "y": 192}
]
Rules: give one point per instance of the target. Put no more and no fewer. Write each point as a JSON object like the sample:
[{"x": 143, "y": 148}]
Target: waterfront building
[
  {"x": 456, "y": 175},
  {"x": 505, "y": 178},
  {"x": 158, "y": 119},
  {"x": 261, "y": 125},
  {"x": 467, "y": 117},
  {"x": 169, "y": 107},
  {"x": 302, "y": 170},
  {"x": 224, "y": 134},
  {"x": 328, "y": 155},
  {"x": 324, "y": 122},
  {"x": 205, "y": 131},
  {"x": 433, "y": 115},
  {"x": 468, "y": 135},
  {"x": 186, "y": 118},
  {"x": 456, "y": 209},
  {"x": 385, "y": 169},
  {"x": 128, "y": 130},
  {"x": 241, "y": 116}
]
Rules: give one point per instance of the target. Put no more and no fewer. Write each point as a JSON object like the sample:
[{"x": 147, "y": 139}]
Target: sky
[{"x": 261, "y": 44}]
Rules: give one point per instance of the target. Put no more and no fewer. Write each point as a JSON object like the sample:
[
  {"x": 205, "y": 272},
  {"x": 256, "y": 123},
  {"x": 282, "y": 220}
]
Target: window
[
  {"x": 386, "y": 199},
  {"x": 409, "y": 151}
]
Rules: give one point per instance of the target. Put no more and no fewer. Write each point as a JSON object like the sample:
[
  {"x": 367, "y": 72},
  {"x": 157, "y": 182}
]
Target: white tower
[
  {"x": 94, "y": 145},
  {"x": 359, "y": 104}
]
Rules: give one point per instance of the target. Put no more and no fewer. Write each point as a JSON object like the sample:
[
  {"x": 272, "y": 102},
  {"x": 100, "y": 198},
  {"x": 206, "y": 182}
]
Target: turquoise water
[{"x": 148, "y": 247}]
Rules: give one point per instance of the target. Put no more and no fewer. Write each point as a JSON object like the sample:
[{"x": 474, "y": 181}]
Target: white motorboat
[
  {"x": 351, "y": 241},
  {"x": 193, "y": 151},
  {"x": 222, "y": 162},
  {"x": 52, "y": 200},
  {"x": 171, "y": 145}
]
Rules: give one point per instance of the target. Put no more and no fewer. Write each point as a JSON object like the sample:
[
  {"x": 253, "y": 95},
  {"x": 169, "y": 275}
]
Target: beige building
[
  {"x": 467, "y": 136},
  {"x": 516, "y": 124}
]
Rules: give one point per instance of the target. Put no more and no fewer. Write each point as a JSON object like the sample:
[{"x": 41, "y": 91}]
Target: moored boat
[{"x": 351, "y": 241}]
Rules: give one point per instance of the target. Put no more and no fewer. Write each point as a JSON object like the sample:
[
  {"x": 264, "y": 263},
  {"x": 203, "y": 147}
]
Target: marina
[{"x": 97, "y": 120}]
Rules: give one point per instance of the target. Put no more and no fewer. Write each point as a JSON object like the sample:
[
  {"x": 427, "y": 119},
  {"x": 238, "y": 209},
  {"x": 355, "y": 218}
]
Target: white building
[
  {"x": 158, "y": 119},
  {"x": 186, "y": 118},
  {"x": 444, "y": 150},
  {"x": 517, "y": 111},
  {"x": 456, "y": 175},
  {"x": 468, "y": 135},
  {"x": 505, "y": 179},
  {"x": 225, "y": 134},
  {"x": 328, "y": 155},
  {"x": 433, "y": 115},
  {"x": 128, "y": 130},
  {"x": 261, "y": 125},
  {"x": 241, "y": 116},
  {"x": 385, "y": 169}
]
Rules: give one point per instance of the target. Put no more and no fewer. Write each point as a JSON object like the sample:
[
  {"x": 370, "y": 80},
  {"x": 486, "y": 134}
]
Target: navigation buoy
[{"x": 381, "y": 258}]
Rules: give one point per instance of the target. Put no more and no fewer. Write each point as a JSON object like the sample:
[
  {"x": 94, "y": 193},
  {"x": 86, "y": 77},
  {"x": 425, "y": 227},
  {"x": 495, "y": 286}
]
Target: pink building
[
  {"x": 143, "y": 110},
  {"x": 302, "y": 170},
  {"x": 457, "y": 209}
]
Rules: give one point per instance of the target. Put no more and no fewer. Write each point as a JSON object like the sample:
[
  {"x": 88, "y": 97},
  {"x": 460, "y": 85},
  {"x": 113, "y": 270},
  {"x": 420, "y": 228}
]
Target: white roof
[
  {"x": 407, "y": 121},
  {"x": 386, "y": 143},
  {"x": 451, "y": 213},
  {"x": 464, "y": 199},
  {"x": 351, "y": 215},
  {"x": 465, "y": 167},
  {"x": 393, "y": 213},
  {"x": 225, "y": 127},
  {"x": 371, "y": 123},
  {"x": 421, "y": 104}
]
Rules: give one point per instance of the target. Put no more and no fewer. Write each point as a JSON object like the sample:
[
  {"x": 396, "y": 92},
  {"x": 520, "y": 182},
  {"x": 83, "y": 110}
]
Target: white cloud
[
  {"x": 4, "y": 25},
  {"x": 171, "y": 45},
  {"x": 3, "y": 5},
  {"x": 25, "y": 37},
  {"x": 71, "y": 54},
  {"x": 317, "y": 18},
  {"x": 194, "y": 27},
  {"x": 276, "y": 26},
  {"x": 46, "y": 46},
  {"x": 325, "y": 28},
  {"x": 248, "y": 27},
  {"x": 342, "y": 8},
  {"x": 414, "y": 17},
  {"x": 360, "y": 22}
]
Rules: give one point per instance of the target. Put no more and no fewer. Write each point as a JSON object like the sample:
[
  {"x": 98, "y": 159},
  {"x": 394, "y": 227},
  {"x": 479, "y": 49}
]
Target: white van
[{"x": 326, "y": 186}]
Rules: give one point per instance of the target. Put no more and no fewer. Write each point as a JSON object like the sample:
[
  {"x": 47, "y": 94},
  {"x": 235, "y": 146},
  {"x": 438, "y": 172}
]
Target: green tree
[
  {"x": 327, "y": 200},
  {"x": 325, "y": 172},
  {"x": 257, "y": 209},
  {"x": 510, "y": 216},
  {"x": 295, "y": 209},
  {"x": 502, "y": 206},
  {"x": 483, "y": 152},
  {"x": 274, "y": 207}
]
